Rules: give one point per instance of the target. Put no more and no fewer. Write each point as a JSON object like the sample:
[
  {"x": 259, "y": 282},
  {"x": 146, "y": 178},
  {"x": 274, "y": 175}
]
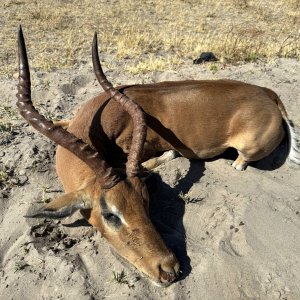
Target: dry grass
[
  {"x": 8, "y": 119},
  {"x": 147, "y": 35}
]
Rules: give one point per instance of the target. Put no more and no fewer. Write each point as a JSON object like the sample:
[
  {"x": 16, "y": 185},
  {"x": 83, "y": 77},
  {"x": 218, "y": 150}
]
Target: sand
[{"x": 235, "y": 233}]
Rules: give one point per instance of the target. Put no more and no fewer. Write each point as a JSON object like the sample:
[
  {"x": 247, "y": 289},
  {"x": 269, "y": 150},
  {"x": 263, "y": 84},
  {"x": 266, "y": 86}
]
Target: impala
[{"x": 99, "y": 158}]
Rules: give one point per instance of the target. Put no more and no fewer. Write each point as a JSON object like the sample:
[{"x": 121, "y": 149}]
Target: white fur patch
[
  {"x": 294, "y": 144},
  {"x": 118, "y": 214},
  {"x": 238, "y": 167},
  {"x": 167, "y": 156}
]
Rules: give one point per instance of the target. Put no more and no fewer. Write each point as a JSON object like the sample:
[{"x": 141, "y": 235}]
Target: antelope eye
[{"x": 111, "y": 218}]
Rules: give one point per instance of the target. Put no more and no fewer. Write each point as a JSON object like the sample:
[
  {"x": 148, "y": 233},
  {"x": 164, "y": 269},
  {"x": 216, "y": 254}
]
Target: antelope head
[{"x": 114, "y": 203}]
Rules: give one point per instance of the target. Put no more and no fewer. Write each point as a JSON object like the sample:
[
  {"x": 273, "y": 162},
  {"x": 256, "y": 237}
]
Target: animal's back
[
  {"x": 199, "y": 119},
  {"x": 207, "y": 116}
]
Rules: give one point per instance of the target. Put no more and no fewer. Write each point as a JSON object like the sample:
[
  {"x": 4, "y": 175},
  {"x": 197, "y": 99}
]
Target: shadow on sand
[
  {"x": 167, "y": 211},
  {"x": 167, "y": 208}
]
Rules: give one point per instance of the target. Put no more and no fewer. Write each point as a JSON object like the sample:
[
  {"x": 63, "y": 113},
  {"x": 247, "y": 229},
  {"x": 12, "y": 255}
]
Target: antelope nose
[{"x": 168, "y": 270}]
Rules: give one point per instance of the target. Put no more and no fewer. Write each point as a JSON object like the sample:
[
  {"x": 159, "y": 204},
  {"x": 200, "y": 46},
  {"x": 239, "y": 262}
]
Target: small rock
[
  {"x": 61, "y": 246},
  {"x": 51, "y": 251},
  {"x": 22, "y": 179},
  {"x": 22, "y": 172},
  {"x": 204, "y": 57},
  {"x": 14, "y": 180}
]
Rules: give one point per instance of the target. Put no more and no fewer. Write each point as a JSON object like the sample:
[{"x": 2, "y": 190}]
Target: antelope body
[
  {"x": 198, "y": 119},
  {"x": 130, "y": 125}
]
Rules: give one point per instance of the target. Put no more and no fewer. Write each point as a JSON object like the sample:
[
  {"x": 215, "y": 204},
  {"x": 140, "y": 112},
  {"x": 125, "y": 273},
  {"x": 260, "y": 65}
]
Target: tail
[
  {"x": 293, "y": 137},
  {"x": 294, "y": 143}
]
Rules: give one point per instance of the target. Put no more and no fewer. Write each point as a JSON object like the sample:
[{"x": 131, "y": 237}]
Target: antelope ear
[{"x": 63, "y": 206}]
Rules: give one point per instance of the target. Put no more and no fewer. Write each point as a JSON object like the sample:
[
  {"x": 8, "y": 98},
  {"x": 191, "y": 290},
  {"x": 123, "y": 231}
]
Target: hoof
[{"x": 238, "y": 167}]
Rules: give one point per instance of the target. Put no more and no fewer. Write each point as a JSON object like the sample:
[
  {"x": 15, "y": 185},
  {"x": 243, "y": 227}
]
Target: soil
[{"x": 235, "y": 233}]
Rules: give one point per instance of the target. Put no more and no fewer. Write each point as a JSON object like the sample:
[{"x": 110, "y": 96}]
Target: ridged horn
[
  {"x": 57, "y": 134},
  {"x": 133, "y": 164}
]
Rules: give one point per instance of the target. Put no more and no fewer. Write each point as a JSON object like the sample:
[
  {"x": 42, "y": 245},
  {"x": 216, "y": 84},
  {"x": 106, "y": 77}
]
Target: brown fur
[{"x": 199, "y": 119}]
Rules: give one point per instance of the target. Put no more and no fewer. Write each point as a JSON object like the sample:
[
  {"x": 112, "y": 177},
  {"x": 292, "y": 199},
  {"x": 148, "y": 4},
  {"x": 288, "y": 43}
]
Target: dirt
[{"x": 236, "y": 233}]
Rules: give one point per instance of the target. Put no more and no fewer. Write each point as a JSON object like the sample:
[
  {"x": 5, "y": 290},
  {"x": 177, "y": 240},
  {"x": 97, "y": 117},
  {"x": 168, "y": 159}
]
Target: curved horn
[
  {"x": 57, "y": 134},
  {"x": 135, "y": 112}
]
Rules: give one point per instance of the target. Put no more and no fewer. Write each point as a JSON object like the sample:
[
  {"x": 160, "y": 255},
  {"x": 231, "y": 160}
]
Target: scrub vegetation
[{"x": 147, "y": 35}]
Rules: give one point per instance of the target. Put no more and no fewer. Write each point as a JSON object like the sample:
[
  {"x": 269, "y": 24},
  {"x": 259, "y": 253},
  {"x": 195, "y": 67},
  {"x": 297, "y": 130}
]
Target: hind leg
[
  {"x": 243, "y": 160},
  {"x": 246, "y": 157},
  {"x": 240, "y": 163},
  {"x": 253, "y": 150},
  {"x": 156, "y": 161}
]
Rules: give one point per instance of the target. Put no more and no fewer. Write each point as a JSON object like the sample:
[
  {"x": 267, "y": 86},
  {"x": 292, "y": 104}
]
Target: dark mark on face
[{"x": 110, "y": 218}]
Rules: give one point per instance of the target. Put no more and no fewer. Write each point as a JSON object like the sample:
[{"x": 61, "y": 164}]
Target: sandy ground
[{"x": 236, "y": 234}]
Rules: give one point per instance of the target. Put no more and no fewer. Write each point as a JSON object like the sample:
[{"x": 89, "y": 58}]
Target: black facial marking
[
  {"x": 103, "y": 204},
  {"x": 108, "y": 215}
]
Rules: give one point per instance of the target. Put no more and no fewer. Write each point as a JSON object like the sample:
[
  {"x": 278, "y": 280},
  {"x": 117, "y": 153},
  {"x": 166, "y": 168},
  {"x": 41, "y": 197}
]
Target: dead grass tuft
[
  {"x": 148, "y": 35},
  {"x": 8, "y": 118}
]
